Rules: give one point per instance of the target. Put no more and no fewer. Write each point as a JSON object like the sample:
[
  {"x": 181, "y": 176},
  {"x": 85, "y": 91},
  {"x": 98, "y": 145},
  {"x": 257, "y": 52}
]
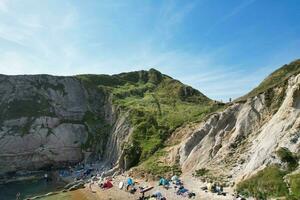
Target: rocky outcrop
[
  {"x": 38, "y": 149},
  {"x": 243, "y": 138},
  {"x": 54, "y": 121},
  {"x": 46, "y": 121},
  {"x": 120, "y": 133}
]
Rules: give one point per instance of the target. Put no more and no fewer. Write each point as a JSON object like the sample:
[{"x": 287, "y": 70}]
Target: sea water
[{"x": 28, "y": 188}]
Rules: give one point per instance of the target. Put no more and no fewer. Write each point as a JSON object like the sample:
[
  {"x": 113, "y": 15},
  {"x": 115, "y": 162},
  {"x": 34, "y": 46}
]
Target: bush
[
  {"x": 98, "y": 130},
  {"x": 201, "y": 172},
  {"x": 286, "y": 156},
  {"x": 157, "y": 105},
  {"x": 132, "y": 154},
  {"x": 266, "y": 183},
  {"x": 154, "y": 166},
  {"x": 277, "y": 78},
  {"x": 294, "y": 182}
]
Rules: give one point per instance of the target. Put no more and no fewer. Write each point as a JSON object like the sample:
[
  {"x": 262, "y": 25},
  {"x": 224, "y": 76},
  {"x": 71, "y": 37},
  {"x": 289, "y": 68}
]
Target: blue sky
[{"x": 222, "y": 48}]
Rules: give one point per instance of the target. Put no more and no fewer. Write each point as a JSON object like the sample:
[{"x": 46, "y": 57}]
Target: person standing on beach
[
  {"x": 90, "y": 185},
  {"x": 18, "y": 196},
  {"x": 46, "y": 177}
]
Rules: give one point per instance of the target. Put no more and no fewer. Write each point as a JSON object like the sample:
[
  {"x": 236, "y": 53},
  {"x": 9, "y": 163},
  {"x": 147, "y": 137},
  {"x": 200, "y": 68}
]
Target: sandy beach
[{"x": 114, "y": 193}]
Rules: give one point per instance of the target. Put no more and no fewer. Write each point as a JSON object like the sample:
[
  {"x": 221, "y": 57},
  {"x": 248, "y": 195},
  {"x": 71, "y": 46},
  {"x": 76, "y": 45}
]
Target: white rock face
[
  {"x": 42, "y": 122},
  {"x": 38, "y": 149},
  {"x": 242, "y": 139},
  {"x": 120, "y": 133}
]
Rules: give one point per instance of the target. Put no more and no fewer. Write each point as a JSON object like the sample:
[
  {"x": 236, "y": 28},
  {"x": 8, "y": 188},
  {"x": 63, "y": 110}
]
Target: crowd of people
[
  {"x": 131, "y": 186},
  {"x": 214, "y": 187},
  {"x": 177, "y": 185},
  {"x": 92, "y": 177}
]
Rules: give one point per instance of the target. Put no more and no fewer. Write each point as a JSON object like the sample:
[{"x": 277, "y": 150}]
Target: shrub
[
  {"x": 294, "y": 182},
  {"x": 286, "y": 156},
  {"x": 277, "y": 78},
  {"x": 132, "y": 154},
  {"x": 201, "y": 172},
  {"x": 266, "y": 183},
  {"x": 154, "y": 166},
  {"x": 98, "y": 130},
  {"x": 157, "y": 105}
]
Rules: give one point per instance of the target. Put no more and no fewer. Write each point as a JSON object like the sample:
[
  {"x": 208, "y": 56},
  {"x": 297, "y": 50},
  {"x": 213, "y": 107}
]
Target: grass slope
[
  {"x": 274, "y": 181},
  {"x": 265, "y": 184},
  {"x": 294, "y": 182},
  {"x": 277, "y": 78},
  {"x": 157, "y": 105}
]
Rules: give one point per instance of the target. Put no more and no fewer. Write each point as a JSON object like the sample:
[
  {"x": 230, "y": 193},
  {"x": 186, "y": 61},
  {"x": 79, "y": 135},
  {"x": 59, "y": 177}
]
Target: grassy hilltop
[{"x": 157, "y": 105}]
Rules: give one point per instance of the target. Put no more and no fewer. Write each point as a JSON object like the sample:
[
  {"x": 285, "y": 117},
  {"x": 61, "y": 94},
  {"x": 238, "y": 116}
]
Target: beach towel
[{"x": 107, "y": 185}]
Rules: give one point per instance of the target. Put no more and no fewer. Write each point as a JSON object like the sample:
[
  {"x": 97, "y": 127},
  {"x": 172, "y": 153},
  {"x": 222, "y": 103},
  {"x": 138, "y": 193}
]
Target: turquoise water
[{"x": 28, "y": 188}]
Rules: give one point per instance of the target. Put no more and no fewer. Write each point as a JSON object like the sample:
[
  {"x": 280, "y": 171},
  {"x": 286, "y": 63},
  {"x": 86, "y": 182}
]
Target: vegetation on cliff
[
  {"x": 98, "y": 132},
  {"x": 276, "y": 79},
  {"x": 294, "y": 182},
  {"x": 288, "y": 157},
  {"x": 265, "y": 184},
  {"x": 157, "y": 105},
  {"x": 274, "y": 180}
]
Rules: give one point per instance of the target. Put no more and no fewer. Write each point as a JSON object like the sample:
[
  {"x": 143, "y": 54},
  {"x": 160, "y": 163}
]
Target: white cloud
[
  {"x": 3, "y": 5},
  {"x": 36, "y": 42},
  {"x": 31, "y": 21},
  {"x": 47, "y": 42},
  {"x": 171, "y": 16},
  {"x": 68, "y": 20}
]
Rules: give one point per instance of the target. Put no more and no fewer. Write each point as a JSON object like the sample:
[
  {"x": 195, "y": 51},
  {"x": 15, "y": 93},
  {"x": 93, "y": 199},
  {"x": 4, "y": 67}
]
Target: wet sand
[{"x": 74, "y": 195}]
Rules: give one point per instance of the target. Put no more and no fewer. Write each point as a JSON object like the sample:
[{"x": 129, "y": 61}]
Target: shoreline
[
  {"x": 194, "y": 185},
  {"x": 21, "y": 176},
  {"x": 30, "y": 184},
  {"x": 94, "y": 192}
]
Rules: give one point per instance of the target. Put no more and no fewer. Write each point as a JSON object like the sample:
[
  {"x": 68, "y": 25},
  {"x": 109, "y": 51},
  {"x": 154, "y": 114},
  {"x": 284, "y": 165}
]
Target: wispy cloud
[
  {"x": 171, "y": 15},
  {"x": 3, "y": 5},
  {"x": 68, "y": 39},
  {"x": 235, "y": 11},
  {"x": 42, "y": 41}
]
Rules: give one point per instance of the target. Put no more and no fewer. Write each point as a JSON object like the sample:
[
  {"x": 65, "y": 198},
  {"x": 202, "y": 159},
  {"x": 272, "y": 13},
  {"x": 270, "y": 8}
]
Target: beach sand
[{"x": 116, "y": 194}]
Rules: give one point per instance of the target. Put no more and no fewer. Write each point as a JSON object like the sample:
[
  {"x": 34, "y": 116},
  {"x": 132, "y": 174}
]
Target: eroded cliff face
[
  {"x": 243, "y": 139},
  {"x": 118, "y": 120},
  {"x": 114, "y": 148},
  {"x": 50, "y": 121},
  {"x": 55, "y": 121}
]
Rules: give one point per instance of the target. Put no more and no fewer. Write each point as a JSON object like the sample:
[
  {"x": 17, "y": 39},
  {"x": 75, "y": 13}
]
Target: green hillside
[
  {"x": 277, "y": 78},
  {"x": 157, "y": 105}
]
